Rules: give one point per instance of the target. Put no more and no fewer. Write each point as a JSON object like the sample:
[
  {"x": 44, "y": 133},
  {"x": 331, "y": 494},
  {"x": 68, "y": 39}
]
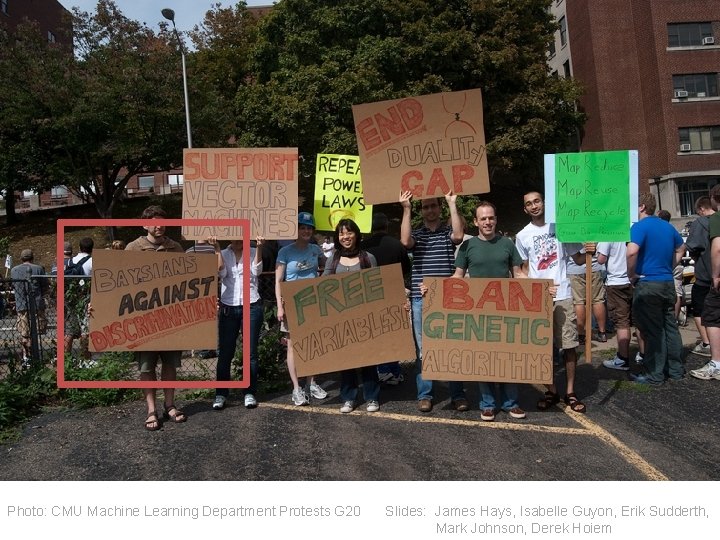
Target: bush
[
  {"x": 22, "y": 394},
  {"x": 111, "y": 366}
]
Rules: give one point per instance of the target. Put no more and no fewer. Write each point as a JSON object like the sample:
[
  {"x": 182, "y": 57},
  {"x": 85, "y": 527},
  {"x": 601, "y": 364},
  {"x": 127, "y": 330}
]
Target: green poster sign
[{"x": 592, "y": 196}]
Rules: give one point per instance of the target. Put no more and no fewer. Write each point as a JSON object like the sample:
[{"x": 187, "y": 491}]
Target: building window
[
  {"x": 696, "y": 85},
  {"x": 51, "y": 37},
  {"x": 175, "y": 179},
  {"x": 563, "y": 31},
  {"x": 3, "y": 6},
  {"x": 700, "y": 138},
  {"x": 689, "y": 190},
  {"x": 688, "y": 34},
  {"x": 566, "y": 69},
  {"x": 551, "y": 49},
  {"x": 59, "y": 192},
  {"x": 146, "y": 182}
]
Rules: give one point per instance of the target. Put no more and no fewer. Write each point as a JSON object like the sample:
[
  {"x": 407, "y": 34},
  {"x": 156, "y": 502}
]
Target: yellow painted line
[
  {"x": 510, "y": 426},
  {"x": 628, "y": 454}
]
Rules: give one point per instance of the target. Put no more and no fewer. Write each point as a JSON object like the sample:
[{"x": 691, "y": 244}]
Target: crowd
[{"x": 633, "y": 284}]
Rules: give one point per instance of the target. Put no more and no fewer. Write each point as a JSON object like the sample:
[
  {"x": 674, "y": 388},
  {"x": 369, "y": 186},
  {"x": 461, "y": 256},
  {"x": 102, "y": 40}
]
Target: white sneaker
[
  {"x": 373, "y": 406},
  {"x": 702, "y": 350},
  {"x": 219, "y": 402},
  {"x": 250, "y": 401},
  {"x": 616, "y": 363},
  {"x": 707, "y": 372},
  {"x": 639, "y": 358},
  {"x": 347, "y": 407},
  {"x": 317, "y": 391},
  {"x": 299, "y": 397}
]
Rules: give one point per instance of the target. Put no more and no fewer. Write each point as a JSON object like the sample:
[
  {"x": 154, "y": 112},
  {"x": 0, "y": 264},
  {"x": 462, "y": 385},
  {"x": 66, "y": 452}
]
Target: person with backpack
[
  {"x": 79, "y": 265},
  {"x": 348, "y": 257}
]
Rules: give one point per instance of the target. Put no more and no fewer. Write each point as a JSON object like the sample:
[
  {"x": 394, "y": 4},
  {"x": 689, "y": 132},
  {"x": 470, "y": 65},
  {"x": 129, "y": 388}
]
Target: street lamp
[{"x": 169, "y": 14}]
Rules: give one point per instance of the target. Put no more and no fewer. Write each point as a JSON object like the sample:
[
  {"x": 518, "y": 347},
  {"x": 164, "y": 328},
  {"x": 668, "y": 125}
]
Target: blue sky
[{"x": 188, "y": 13}]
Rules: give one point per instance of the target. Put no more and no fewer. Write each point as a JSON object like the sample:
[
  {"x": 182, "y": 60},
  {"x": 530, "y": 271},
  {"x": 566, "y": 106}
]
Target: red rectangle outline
[{"x": 244, "y": 224}]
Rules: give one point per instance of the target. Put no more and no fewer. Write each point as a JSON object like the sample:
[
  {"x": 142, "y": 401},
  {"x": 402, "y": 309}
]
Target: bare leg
[
  {"x": 600, "y": 315},
  {"x": 580, "y": 314},
  {"x": 149, "y": 394},
  {"x": 623, "y": 340},
  {"x": 291, "y": 364},
  {"x": 570, "y": 364},
  {"x": 714, "y": 340},
  {"x": 701, "y": 330}
]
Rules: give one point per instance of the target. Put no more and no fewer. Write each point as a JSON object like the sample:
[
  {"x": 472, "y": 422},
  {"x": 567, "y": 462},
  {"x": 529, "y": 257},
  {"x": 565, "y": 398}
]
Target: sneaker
[
  {"x": 25, "y": 362},
  {"x": 425, "y": 405},
  {"x": 516, "y": 412},
  {"x": 373, "y": 406},
  {"x": 349, "y": 407},
  {"x": 616, "y": 363},
  {"x": 461, "y": 404},
  {"x": 317, "y": 391},
  {"x": 487, "y": 415},
  {"x": 250, "y": 401},
  {"x": 389, "y": 378},
  {"x": 702, "y": 349},
  {"x": 219, "y": 402},
  {"x": 644, "y": 379},
  {"x": 299, "y": 397},
  {"x": 707, "y": 372},
  {"x": 639, "y": 359},
  {"x": 385, "y": 377},
  {"x": 602, "y": 337}
]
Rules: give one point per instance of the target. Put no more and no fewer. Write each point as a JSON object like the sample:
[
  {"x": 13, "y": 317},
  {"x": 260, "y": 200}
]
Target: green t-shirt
[
  {"x": 488, "y": 258},
  {"x": 714, "y": 225}
]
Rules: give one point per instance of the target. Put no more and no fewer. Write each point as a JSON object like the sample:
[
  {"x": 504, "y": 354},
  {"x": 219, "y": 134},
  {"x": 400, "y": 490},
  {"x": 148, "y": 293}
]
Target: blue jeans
[
  {"x": 424, "y": 387},
  {"x": 349, "y": 384},
  {"x": 230, "y": 323},
  {"x": 508, "y": 395},
  {"x": 389, "y": 367},
  {"x": 653, "y": 311}
]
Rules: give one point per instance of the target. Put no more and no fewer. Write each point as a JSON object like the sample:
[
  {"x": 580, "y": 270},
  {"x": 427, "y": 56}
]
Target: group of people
[{"x": 636, "y": 285}]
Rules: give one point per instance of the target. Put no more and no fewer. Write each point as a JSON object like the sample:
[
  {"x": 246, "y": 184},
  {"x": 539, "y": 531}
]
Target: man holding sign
[
  {"x": 489, "y": 255},
  {"x": 433, "y": 247},
  {"x": 545, "y": 257}
]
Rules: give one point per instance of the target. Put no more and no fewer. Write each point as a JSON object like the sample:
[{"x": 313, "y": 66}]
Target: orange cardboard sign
[
  {"x": 153, "y": 301},
  {"x": 257, "y": 184},
  {"x": 492, "y": 330},
  {"x": 426, "y": 144},
  {"x": 348, "y": 320}
]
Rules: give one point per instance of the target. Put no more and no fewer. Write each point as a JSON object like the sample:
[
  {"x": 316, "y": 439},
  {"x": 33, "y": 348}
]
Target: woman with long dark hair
[{"x": 348, "y": 257}]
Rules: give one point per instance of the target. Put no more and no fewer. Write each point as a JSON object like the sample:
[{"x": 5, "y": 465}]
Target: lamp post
[{"x": 169, "y": 14}]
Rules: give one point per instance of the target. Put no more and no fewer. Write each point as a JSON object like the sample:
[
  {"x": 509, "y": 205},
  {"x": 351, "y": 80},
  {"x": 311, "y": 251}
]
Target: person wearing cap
[
  {"x": 29, "y": 291},
  {"x": 299, "y": 260},
  {"x": 388, "y": 250}
]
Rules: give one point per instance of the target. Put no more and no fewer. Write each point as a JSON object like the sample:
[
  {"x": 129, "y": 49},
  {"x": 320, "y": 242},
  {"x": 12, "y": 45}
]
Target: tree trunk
[{"x": 10, "y": 214}]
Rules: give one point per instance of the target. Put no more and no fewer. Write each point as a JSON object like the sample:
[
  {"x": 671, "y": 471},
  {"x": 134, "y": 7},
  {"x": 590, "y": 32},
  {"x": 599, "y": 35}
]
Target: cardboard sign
[
  {"x": 427, "y": 144},
  {"x": 348, "y": 320},
  {"x": 150, "y": 301},
  {"x": 257, "y": 184},
  {"x": 492, "y": 330},
  {"x": 593, "y": 195},
  {"x": 339, "y": 193}
]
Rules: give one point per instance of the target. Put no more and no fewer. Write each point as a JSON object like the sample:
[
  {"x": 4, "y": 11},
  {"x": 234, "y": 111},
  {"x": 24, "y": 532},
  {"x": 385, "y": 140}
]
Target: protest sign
[
  {"x": 593, "y": 195},
  {"x": 257, "y": 184},
  {"x": 493, "y": 330},
  {"x": 153, "y": 301},
  {"x": 427, "y": 144},
  {"x": 339, "y": 193},
  {"x": 348, "y": 320}
]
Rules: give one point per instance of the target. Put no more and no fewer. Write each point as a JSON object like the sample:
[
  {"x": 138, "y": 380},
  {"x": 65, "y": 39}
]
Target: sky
[{"x": 188, "y": 13}]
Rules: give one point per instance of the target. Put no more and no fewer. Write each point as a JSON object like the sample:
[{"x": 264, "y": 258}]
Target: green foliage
[
  {"x": 22, "y": 393},
  {"x": 111, "y": 366},
  {"x": 4, "y": 245}
]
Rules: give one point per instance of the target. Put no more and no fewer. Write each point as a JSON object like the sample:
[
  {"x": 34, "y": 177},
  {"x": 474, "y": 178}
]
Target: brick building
[{"x": 650, "y": 71}]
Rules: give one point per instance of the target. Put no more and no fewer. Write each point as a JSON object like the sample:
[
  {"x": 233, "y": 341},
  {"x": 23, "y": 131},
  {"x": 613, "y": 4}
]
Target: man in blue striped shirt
[{"x": 433, "y": 247}]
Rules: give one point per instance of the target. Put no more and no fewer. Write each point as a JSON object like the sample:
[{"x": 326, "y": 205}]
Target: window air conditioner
[
  {"x": 681, "y": 93},
  {"x": 708, "y": 41},
  {"x": 685, "y": 147}
]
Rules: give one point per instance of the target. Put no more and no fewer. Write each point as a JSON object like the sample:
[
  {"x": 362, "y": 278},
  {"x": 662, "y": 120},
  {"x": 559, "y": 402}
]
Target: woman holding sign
[
  {"x": 348, "y": 257},
  {"x": 299, "y": 260}
]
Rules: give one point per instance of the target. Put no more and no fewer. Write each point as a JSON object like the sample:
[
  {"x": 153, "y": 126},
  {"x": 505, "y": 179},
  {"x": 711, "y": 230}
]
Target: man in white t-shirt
[
  {"x": 619, "y": 299},
  {"x": 544, "y": 258}
]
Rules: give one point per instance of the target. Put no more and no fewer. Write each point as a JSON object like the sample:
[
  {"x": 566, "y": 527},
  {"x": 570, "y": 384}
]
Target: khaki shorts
[
  {"x": 619, "y": 300},
  {"x": 564, "y": 325},
  {"x": 23, "y": 323},
  {"x": 577, "y": 283},
  {"x": 147, "y": 360}
]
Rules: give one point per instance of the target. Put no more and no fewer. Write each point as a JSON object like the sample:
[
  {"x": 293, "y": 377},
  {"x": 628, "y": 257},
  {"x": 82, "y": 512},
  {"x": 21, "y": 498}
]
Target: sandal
[
  {"x": 550, "y": 399},
  {"x": 152, "y": 422},
  {"x": 179, "y": 416},
  {"x": 574, "y": 403}
]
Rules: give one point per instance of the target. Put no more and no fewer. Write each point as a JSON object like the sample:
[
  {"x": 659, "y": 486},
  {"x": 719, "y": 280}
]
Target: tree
[{"x": 314, "y": 59}]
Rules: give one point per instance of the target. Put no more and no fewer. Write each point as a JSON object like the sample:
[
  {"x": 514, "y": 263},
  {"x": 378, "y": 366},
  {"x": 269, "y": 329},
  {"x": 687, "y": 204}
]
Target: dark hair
[
  {"x": 664, "y": 215},
  {"x": 153, "y": 212},
  {"x": 350, "y": 225},
  {"x": 87, "y": 244}
]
